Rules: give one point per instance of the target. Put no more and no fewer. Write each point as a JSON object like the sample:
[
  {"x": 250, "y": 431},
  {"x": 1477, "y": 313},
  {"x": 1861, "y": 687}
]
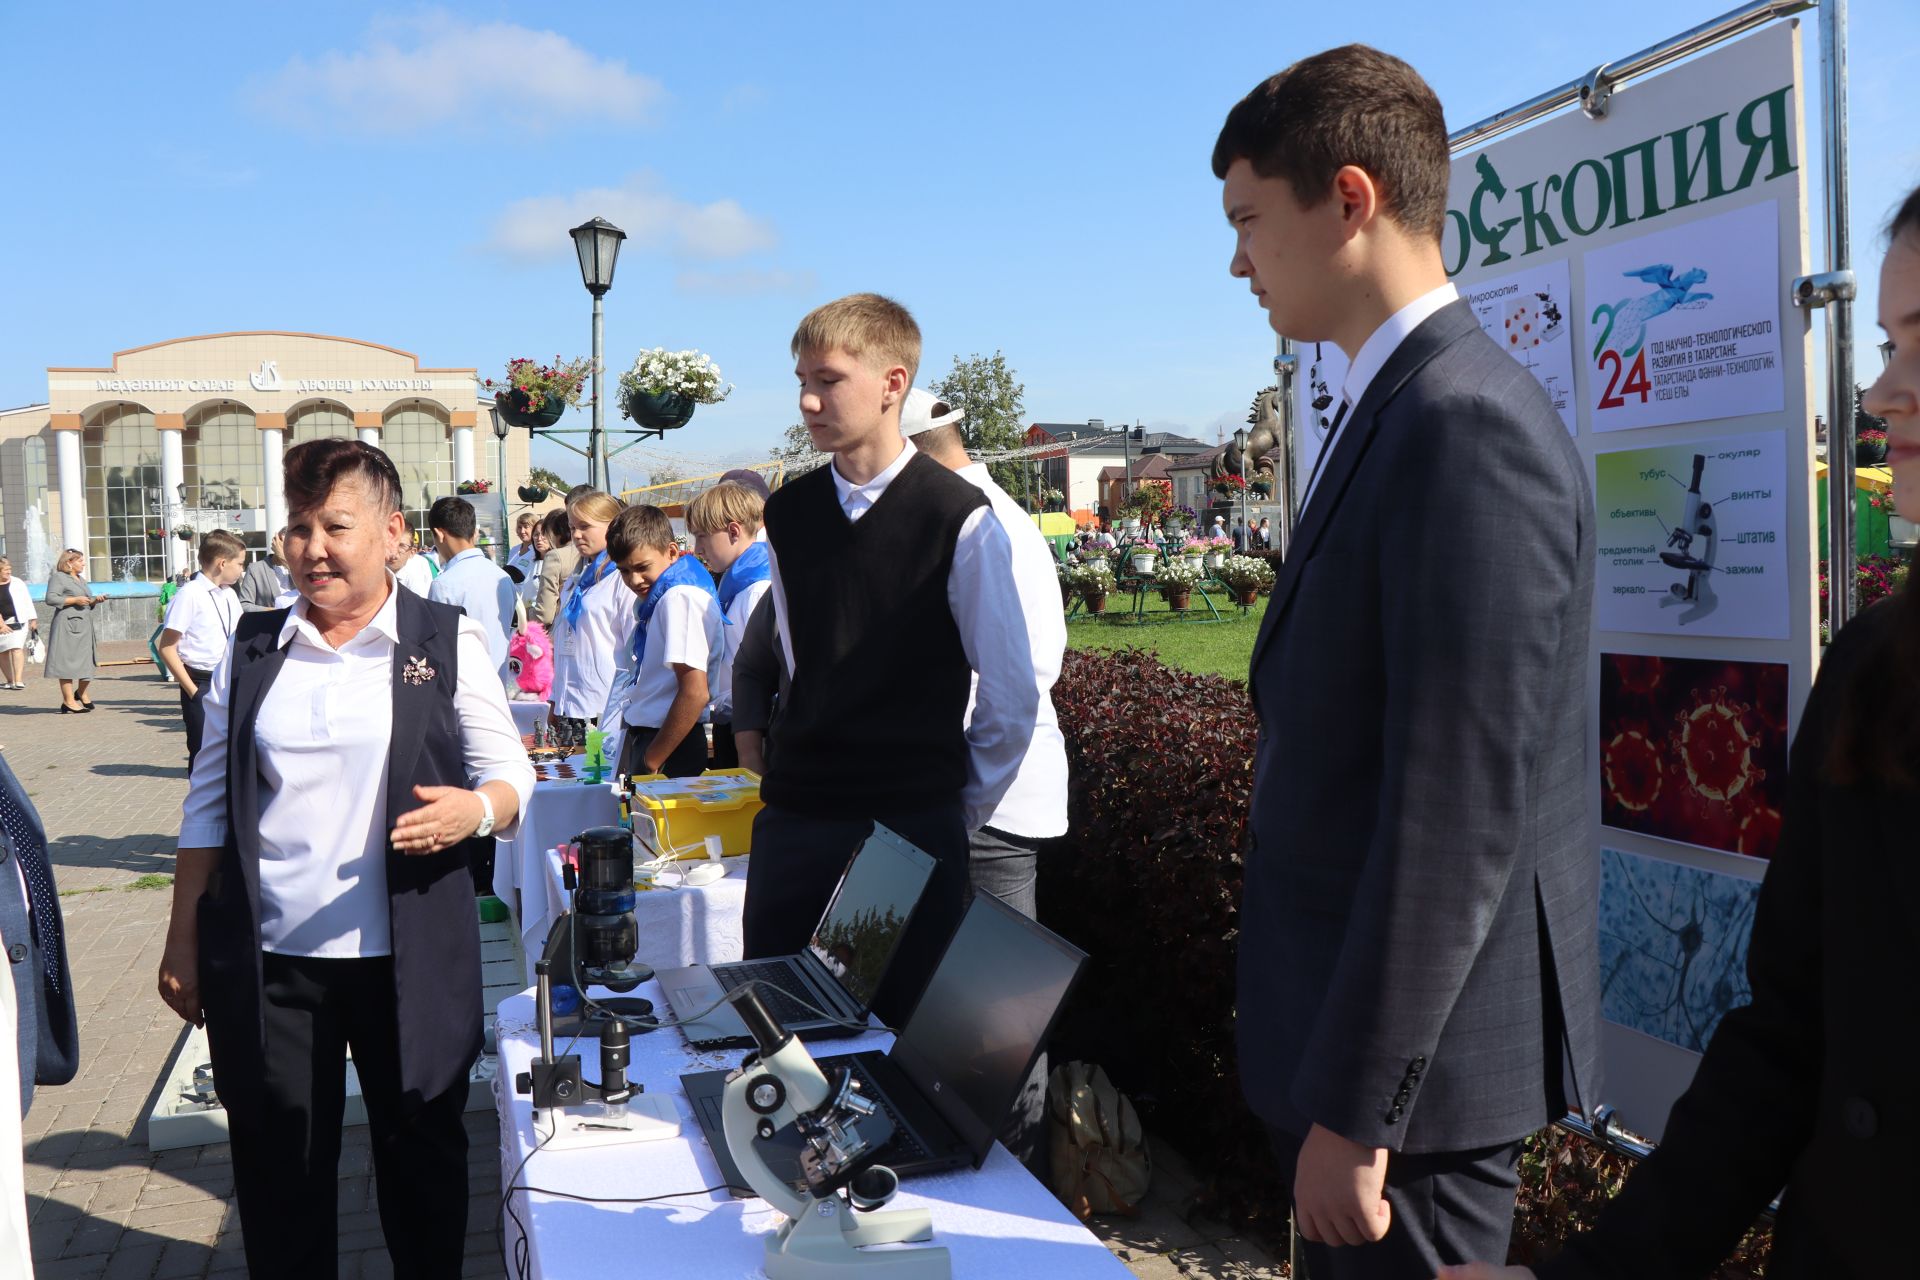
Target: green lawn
[{"x": 1212, "y": 648}]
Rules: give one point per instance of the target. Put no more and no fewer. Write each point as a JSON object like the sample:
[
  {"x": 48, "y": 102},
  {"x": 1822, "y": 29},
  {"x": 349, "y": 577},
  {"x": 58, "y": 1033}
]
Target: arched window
[
  {"x": 121, "y": 450},
  {"x": 321, "y": 420},
  {"x": 226, "y": 485},
  {"x": 420, "y": 442}
]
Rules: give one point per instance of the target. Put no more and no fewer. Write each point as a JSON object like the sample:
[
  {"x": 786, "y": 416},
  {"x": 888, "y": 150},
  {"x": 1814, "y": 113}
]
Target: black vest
[
  {"x": 436, "y": 938},
  {"x": 875, "y": 720}
]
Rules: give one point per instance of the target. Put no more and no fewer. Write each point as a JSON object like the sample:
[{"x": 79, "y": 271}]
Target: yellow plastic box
[{"x": 685, "y": 811}]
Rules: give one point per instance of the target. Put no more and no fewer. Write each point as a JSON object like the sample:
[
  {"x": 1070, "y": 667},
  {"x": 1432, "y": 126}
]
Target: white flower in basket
[{"x": 660, "y": 372}]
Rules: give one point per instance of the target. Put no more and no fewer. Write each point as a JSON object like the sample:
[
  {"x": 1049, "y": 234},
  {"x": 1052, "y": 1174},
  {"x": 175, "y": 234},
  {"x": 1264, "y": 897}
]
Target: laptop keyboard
[{"x": 776, "y": 991}]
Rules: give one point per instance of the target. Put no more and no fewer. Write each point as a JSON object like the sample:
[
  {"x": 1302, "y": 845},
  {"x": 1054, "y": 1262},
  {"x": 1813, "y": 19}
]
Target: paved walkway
[{"x": 108, "y": 787}]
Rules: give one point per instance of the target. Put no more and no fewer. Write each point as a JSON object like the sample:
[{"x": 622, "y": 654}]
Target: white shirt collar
[
  {"x": 1379, "y": 348},
  {"x": 385, "y": 623},
  {"x": 870, "y": 492}
]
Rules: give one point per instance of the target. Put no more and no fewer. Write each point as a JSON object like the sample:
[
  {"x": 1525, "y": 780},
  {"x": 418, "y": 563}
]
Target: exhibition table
[
  {"x": 526, "y": 715},
  {"x": 997, "y": 1220},
  {"x": 677, "y": 925}
]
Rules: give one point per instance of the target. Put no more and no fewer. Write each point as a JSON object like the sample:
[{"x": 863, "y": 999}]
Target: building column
[
  {"x": 173, "y": 474},
  {"x": 73, "y": 483},
  {"x": 273, "y": 444},
  {"x": 463, "y": 448},
  {"x": 368, "y": 427}
]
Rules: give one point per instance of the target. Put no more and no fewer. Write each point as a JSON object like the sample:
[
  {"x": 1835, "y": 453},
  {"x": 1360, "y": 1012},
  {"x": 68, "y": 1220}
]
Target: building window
[
  {"x": 121, "y": 450},
  {"x": 225, "y": 483},
  {"x": 420, "y": 442},
  {"x": 321, "y": 420}
]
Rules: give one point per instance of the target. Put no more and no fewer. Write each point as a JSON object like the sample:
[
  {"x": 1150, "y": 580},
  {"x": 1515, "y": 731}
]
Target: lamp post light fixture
[{"x": 597, "y": 241}]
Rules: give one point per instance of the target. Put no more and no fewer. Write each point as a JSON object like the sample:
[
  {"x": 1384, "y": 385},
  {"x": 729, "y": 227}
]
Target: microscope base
[
  {"x": 826, "y": 1240},
  {"x": 649, "y": 1117}
]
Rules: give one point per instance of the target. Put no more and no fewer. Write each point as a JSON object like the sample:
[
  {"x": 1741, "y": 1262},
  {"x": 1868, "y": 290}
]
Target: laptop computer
[
  {"x": 951, "y": 1079},
  {"x": 840, "y": 970}
]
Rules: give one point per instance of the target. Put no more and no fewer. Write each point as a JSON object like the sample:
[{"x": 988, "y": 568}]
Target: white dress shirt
[
  {"x": 23, "y": 610},
  {"x": 205, "y": 616},
  {"x": 416, "y": 575},
  {"x": 323, "y": 735},
  {"x": 686, "y": 628},
  {"x": 986, "y": 611},
  {"x": 1035, "y": 805},
  {"x": 1370, "y": 360},
  {"x": 721, "y": 680},
  {"x": 586, "y": 659},
  {"x": 483, "y": 589}
]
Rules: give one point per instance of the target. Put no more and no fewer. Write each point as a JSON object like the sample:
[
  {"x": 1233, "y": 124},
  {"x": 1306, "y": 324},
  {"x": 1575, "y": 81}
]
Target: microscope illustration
[{"x": 1691, "y": 548}]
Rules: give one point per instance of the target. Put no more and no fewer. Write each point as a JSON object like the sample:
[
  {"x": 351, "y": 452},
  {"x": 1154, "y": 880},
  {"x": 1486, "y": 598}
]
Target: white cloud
[
  {"x": 437, "y": 69},
  {"x": 536, "y": 227},
  {"x": 743, "y": 284}
]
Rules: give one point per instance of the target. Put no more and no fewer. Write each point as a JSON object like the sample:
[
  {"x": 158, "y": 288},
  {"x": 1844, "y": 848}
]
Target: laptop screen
[
  {"x": 974, "y": 1035},
  {"x": 856, "y": 937}
]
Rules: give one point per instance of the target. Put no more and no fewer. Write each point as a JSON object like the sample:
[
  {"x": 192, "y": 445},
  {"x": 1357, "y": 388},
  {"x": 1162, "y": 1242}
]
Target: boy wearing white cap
[{"x": 892, "y": 586}]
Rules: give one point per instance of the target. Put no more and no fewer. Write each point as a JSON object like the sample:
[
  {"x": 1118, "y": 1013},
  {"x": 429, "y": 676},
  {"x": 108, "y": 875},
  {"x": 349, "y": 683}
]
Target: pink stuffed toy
[{"x": 531, "y": 655}]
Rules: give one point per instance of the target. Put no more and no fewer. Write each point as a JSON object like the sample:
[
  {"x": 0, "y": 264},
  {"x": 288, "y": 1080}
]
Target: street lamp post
[
  {"x": 500, "y": 429},
  {"x": 597, "y": 241},
  {"x": 1240, "y": 449}
]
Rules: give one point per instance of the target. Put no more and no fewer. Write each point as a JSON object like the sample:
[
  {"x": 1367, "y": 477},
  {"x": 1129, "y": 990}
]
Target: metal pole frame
[{"x": 598, "y": 473}]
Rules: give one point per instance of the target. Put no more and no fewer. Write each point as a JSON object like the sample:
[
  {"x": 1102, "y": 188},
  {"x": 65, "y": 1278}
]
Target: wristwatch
[{"x": 486, "y": 822}]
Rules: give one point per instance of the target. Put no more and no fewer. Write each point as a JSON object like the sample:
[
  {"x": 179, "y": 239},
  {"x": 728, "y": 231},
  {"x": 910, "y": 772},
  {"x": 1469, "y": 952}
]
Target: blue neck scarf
[
  {"x": 585, "y": 580},
  {"x": 686, "y": 571},
  {"x": 755, "y": 564}
]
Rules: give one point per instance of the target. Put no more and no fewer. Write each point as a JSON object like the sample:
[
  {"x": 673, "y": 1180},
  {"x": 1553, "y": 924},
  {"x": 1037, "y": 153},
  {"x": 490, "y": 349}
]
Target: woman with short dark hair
[{"x": 358, "y": 754}]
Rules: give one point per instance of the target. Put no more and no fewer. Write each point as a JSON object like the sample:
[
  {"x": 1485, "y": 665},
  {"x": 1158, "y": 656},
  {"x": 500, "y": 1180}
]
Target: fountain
[{"x": 38, "y": 565}]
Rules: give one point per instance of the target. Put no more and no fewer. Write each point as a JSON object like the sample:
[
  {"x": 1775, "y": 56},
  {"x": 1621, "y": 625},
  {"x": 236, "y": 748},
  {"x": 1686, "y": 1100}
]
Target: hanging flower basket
[
  {"x": 1870, "y": 448},
  {"x": 1095, "y": 603},
  {"x": 533, "y": 493},
  {"x": 520, "y": 409},
  {"x": 1178, "y": 598},
  {"x": 656, "y": 411},
  {"x": 467, "y": 488},
  {"x": 1247, "y": 595},
  {"x": 183, "y": 533}
]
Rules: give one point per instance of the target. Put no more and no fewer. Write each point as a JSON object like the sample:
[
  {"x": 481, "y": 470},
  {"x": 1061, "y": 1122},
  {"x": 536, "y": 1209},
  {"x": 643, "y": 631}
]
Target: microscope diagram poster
[
  {"x": 1692, "y": 538},
  {"x": 1684, "y": 325},
  {"x": 1529, "y": 313},
  {"x": 1694, "y": 750},
  {"x": 1673, "y": 946}
]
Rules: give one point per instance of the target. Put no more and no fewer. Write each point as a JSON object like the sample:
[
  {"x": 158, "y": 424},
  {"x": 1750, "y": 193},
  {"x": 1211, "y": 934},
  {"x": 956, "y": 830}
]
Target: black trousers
[
  {"x": 1007, "y": 866},
  {"x": 688, "y": 760},
  {"x": 194, "y": 711},
  {"x": 797, "y": 861},
  {"x": 284, "y": 1109},
  {"x": 725, "y": 754},
  {"x": 1448, "y": 1208}
]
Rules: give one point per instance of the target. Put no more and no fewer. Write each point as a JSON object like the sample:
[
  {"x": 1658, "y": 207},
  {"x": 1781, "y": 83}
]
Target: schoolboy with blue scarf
[
  {"x": 676, "y": 642},
  {"x": 725, "y": 524}
]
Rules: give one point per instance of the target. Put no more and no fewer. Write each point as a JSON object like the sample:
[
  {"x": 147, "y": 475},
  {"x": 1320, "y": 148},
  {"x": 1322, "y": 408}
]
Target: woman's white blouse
[
  {"x": 584, "y": 660},
  {"x": 323, "y": 734}
]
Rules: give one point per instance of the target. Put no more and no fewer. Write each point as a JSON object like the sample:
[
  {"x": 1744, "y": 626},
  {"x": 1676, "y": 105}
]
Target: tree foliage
[
  {"x": 795, "y": 444},
  {"x": 994, "y": 398},
  {"x": 549, "y": 478}
]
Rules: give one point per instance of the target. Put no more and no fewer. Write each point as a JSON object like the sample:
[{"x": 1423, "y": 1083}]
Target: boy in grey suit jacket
[{"x": 1418, "y": 972}]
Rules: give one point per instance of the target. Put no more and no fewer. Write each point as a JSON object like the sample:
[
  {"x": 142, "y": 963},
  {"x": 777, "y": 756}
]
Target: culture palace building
[{"x": 188, "y": 435}]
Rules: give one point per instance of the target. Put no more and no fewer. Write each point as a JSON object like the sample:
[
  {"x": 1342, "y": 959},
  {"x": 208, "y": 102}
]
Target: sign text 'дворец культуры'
[{"x": 1623, "y": 186}]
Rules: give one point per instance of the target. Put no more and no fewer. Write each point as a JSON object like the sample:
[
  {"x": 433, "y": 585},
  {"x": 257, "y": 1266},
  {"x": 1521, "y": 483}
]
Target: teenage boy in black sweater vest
[{"x": 892, "y": 586}]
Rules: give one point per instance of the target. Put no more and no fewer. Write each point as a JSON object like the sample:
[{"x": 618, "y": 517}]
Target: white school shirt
[
  {"x": 585, "y": 660},
  {"x": 721, "y": 681},
  {"x": 323, "y": 735},
  {"x": 1371, "y": 359},
  {"x": 686, "y": 628},
  {"x": 986, "y": 612},
  {"x": 416, "y": 575},
  {"x": 205, "y": 616},
  {"x": 1035, "y": 805}
]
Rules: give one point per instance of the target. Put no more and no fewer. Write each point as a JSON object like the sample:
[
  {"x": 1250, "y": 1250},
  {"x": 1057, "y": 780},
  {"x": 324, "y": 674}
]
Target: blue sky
[{"x": 1030, "y": 178}]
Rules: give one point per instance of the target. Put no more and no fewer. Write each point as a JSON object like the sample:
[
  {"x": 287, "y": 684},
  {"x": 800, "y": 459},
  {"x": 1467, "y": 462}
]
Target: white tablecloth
[
  {"x": 527, "y": 714},
  {"x": 677, "y": 926},
  {"x": 997, "y": 1220}
]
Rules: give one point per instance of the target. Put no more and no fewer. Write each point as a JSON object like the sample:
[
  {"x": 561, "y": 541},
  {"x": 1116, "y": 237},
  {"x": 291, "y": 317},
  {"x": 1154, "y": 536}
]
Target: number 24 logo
[{"x": 1636, "y": 382}]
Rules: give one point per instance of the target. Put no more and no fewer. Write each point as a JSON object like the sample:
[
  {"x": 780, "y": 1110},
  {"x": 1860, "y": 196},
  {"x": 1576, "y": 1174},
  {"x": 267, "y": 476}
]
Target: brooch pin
[{"x": 416, "y": 671}]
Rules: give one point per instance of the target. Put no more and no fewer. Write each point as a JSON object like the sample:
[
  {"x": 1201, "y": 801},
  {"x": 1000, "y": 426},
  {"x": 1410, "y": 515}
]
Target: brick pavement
[{"x": 102, "y": 1206}]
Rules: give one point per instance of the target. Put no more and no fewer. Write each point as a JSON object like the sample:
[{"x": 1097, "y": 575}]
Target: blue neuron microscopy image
[{"x": 1673, "y": 946}]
